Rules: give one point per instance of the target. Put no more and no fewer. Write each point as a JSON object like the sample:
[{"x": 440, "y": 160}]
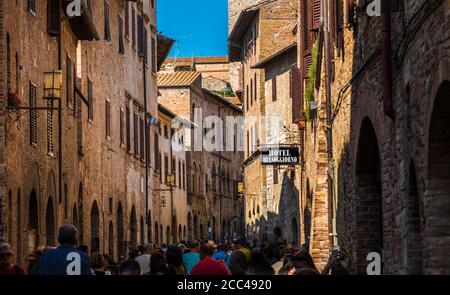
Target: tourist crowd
[{"x": 186, "y": 258}]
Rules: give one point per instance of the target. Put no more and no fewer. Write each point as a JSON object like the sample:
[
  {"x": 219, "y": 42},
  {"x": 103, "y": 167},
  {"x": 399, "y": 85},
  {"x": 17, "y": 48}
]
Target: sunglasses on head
[{"x": 5, "y": 254}]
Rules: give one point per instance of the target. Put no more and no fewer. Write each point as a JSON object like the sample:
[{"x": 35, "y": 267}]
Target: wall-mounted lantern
[{"x": 52, "y": 84}]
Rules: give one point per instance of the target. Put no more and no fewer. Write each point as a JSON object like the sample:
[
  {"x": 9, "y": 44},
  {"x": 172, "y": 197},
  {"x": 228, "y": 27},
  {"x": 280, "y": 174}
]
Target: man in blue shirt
[
  {"x": 66, "y": 259},
  {"x": 191, "y": 258}
]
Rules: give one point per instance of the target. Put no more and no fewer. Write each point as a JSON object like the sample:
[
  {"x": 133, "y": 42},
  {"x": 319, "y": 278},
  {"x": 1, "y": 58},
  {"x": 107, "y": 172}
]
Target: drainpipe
[
  {"x": 329, "y": 131},
  {"x": 146, "y": 140},
  {"x": 386, "y": 63}
]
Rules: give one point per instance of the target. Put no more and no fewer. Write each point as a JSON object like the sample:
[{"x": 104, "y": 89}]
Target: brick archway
[
  {"x": 367, "y": 208},
  {"x": 437, "y": 195}
]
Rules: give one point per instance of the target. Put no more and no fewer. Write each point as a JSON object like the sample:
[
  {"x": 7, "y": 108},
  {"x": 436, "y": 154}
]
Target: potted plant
[{"x": 13, "y": 100}]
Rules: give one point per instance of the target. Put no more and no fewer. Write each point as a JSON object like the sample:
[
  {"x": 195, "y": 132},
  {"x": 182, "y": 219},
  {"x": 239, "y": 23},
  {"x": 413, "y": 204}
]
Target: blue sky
[{"x": 200, "y": 27}]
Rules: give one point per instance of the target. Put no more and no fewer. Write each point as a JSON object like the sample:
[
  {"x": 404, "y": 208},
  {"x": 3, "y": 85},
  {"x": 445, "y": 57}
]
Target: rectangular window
[
  {"x": 145, "y": 46},
  {"x": 33, "y": 114},
  {"x": 140, "y": 34},
  {"x": 180, "y": 181},
  {"x": 156, "y": 151},
  {"x": 184, "y": 176},
  {"x": 166, "y": 168},
  {"x": 136, "y": 134},
  {"x": 127, "y": 18},
  {"x": 108, "y": 118},
  {"x": 121, "y": 41},
  {"x": 91, "y": 101},
  {"x": 160, "y": 161},
  {"x": 173, "y": 168},
  {"x": 54, "y": 17},
  {"x": 50, "y": 143},
  {"x": 133, "y": 27},
  {"x": 122, "y": 133},
  {"x": 69, "y": 87},
  {"x": 142, "y": 138},
  {"x": 274, "y": 89},
  {"x": 154, "y": 66},
  {"x": 128, "y": 127},
  {"x": 106, "y": 20},
  {"x": 256, "y": 88},
  {"x": 275, "y": 175}
]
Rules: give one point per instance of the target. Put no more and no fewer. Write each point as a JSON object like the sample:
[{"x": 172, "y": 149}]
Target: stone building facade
[
  {"x": 214, "y": 69},
  {"x": 103, "y": 124},
  {"x": 376, "y": 151},
  {"x": 212, "y": 175},
  {"x": 260, "y": 31},
  {"x": 173, "y": 226}
]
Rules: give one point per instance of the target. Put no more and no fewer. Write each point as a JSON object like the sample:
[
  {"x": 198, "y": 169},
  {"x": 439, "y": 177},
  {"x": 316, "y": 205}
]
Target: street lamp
[
  {"x": 170, "y": 180},
  {"x": 241, "y": 188},
  {"x": 52, "y": 84}
]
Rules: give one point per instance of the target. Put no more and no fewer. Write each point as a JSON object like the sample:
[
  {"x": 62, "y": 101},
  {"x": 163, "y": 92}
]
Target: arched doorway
[
  {"x": 80, "y": 214},
  {"x": 168, "y": 235},
  {"x": 294, "y": 228},
  {"x": 33, "y": 221},
  {"x": 149, "y": 227},
  {"x": 19, "y": 227},
  {"x": 95, "y": 228},
  {"x": 142, "y": 231},
  {"x": 202, "y": 233},
  {"x": 437, "y": 198},
  {"x": 120, "y": 230},
  {"x": 174, "y": 229},
  {"x": 307, "y": 213},
  {"x": 224, "y": 228},
  {"x": 156, "y": 233},
  {"x": 111, "y": 239},
  {"x": 184, "y": 233},
  {"x": 133, "y": 228},
  {"x": 196, "y": 233},
  {"x": 161, "y": 234},
  {"x": 414, "y": 233},
  {"x": 50, "y": 223},
  {"x": 369, "y": 221},
  {"x": 180, "y": 233},
  {"x": 190, "y": 225}
]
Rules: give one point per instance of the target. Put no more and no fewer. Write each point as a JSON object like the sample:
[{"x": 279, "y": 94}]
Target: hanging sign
[{"x": 280, "y": 156}]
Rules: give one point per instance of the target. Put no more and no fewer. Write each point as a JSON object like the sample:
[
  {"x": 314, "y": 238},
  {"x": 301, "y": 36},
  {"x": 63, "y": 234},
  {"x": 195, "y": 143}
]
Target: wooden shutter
[
  {"x": 140, "y": 36},
  {"x": 128, "y": 127},
  {"x": 251, "y": 92},
  {"x": 154, "y": 65},
  {"x": 50, "y": 142},
  {"x": 127, "y": 18},
  {"x": 136, "y": 134},
  {"x": 297, "y": 103},
  {"x": 275, "y": 175},
  {"x": 305, "y": 25},
  {"x": 106, "y": 19},
  {"x": 90, "y": 101},
  {"x": 133, "y": 26},
  {"x": 307, "y": 64},
  {"x": 142, "y": 134},
  {"x": 256, "y": 88},
  {"x": 316, "y": 13},
  {"x": 156, "y": 150},
  {"x": 53, "y": 17},
  {"x": 33, "y": 114},
  {"x": 121, "y": 40},
  {"x": 108, "y": 118},
  {"x": 274, "y": 89},
  {"x": 69, "y": 89},
  {"x": 121, "y": 126},
  {"x": 350, "y": 12},
  {"x": 90, "y": 6},
  {"x": 31, "y": 6},
  {"x": 145, "y": 46}
]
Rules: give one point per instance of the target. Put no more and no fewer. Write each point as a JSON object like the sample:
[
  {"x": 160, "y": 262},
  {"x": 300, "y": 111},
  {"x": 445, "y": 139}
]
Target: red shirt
[
  {"x": 13, "y": 271},
  {"x": 209, "y": 267}
]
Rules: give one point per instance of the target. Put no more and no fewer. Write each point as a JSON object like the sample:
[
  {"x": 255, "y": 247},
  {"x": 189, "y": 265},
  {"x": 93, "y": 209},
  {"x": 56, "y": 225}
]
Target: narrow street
[{"x": 242, "y": 137}]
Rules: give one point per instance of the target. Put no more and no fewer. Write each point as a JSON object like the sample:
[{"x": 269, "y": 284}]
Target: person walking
[
  {"x": 209, "y": 266},
  {"x": 191, "y": 258},
  {"x": 7, "y": 267},
  {"x": 66, "y": 259}
]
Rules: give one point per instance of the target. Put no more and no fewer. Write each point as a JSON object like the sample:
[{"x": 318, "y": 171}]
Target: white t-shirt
[{"x": 144, "y": 263}]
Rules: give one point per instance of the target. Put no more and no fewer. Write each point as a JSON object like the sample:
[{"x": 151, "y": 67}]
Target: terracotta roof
[
  {"x": 187, "y": 61},
  {"x": 262, "y": 63},
  {"x": 234, "y": 100},
  {"x": 164, "y": 46},
  {"x": 183, "y": 78}
]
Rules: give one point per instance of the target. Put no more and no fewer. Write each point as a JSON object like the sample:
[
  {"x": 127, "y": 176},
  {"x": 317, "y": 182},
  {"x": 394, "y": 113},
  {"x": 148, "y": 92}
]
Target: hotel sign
[{"x": 280, "y": 156}]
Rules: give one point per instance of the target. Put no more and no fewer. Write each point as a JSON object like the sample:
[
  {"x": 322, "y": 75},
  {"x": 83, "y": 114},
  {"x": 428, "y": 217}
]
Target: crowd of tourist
[{"x": 197, "y": 257}]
